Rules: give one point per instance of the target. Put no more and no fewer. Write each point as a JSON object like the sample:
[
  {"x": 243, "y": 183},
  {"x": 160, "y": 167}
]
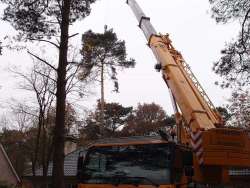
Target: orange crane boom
[{"x": 197, "y": 109}]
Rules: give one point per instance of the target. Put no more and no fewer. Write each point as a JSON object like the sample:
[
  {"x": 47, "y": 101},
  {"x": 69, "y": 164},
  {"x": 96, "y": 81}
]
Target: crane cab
[{"x": 136, "y": 162}]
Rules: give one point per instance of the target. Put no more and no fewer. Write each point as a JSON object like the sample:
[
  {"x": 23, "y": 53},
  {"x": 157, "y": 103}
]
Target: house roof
[
  {"x": 70, "y": 165},
  {"x": 5, "y": 156}
]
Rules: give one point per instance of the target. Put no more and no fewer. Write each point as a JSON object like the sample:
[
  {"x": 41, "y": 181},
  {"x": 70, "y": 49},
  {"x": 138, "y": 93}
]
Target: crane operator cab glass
[{"x": 144, "y": 164}]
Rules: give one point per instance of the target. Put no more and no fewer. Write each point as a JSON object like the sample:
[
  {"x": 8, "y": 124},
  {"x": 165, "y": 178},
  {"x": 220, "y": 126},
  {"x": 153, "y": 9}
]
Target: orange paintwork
[
  {"x": 226, "y": 147},
  {"x": 195, "y": 111},
  {"x": 223, "y": 148}
]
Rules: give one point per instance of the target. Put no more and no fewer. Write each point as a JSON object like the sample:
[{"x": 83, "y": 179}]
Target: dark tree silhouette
[
  {"x": 224, "y": 113},
  {"x": 40, "y": 82},
  {"x": 103, "y": 54},
  {"x": 1, "y": 48},
  {"x": 146, "y": 119},
  {"x": 115, "y": 117},
  {"x": 49, "y": 21},
  {"x": 234, "y": 64},
  {"x": 239, "y": 109}
]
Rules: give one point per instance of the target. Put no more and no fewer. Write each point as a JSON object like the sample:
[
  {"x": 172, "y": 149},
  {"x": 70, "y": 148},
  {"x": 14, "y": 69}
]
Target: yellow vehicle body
[
  {"x": 226, "y": 147},
  {"x": 223, "y": 150}
]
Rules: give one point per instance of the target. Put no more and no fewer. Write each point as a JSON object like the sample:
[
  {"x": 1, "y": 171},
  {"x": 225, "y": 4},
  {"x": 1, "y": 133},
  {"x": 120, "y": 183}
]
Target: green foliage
[
  {"x": 42, "y": 18},
  {"x": 224, "y": 113},
  {"x": 115, "y": 117},
  {"x": 119, "y": 121},
  {"x": 229, "y": 10},
  {"x": 239, "y": 108},
  {"x": 234, "y": 64},
  {"x": 103, "y": 50},
  {"x": 90, "y": 130}
]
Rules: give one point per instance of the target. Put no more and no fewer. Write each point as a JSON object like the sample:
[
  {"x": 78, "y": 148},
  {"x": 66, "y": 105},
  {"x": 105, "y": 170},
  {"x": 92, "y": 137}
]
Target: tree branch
[
  {"x": 20, "y": 109},
  {"x": 31, "y": 3},
  {"x": 40, "y": 59},
  {"x": 45, "y": 76},
  {"x": 71, "y": 78},
  {"x": 42, "y": 40},
  {"x": 73, "y": 35},
  {"x": 53, "y": 93},
  {"x": 242, "y": 29}
]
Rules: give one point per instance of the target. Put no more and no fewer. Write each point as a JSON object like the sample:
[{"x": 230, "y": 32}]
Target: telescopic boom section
[
  {"x": 144, "y": 21},
  {"x": 197, "y": 110}
]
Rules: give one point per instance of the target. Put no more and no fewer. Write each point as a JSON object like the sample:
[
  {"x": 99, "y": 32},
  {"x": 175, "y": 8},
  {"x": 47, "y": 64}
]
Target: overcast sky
[{"x": 191, "y": 29}]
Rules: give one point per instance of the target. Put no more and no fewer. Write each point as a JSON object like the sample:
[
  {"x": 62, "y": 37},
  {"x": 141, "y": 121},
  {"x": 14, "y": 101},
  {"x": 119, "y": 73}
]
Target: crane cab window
[{"x": 138, "y": 164}]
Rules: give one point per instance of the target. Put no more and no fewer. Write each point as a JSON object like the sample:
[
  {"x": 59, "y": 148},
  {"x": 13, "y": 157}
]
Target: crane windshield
[{"x": 132, "y": 164}]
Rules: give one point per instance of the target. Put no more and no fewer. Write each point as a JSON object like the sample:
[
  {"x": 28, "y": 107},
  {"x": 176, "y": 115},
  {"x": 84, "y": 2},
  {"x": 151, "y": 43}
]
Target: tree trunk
[
  {"x": 44, "y": 146},
  {"x": 47, "y": 146},
  {"x": 102, "y": 102},
  {"x": 37, "y": 146},
  {"x": 59, "y": 131}
]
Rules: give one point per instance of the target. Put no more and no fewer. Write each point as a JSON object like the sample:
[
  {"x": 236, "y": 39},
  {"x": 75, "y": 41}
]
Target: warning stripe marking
[{"x": 196, "y": 143}]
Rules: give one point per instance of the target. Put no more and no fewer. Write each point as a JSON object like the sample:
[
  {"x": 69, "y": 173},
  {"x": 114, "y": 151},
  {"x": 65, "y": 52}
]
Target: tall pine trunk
[{"x": 59, "y": 132}]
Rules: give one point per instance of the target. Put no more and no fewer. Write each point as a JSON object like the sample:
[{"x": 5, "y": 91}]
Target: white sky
[{"x": 191, "y": 29}]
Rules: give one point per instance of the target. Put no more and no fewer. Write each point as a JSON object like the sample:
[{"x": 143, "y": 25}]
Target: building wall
[{"x": 6, "y": 172}]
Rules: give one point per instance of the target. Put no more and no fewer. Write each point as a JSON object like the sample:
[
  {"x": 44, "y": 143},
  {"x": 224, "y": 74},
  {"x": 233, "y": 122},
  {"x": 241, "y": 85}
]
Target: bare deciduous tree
[{"x": 41, "y": 82}]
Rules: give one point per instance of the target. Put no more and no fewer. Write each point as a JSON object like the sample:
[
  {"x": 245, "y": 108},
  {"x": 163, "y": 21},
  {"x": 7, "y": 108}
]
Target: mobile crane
[{"x": 206, "y": 154}]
